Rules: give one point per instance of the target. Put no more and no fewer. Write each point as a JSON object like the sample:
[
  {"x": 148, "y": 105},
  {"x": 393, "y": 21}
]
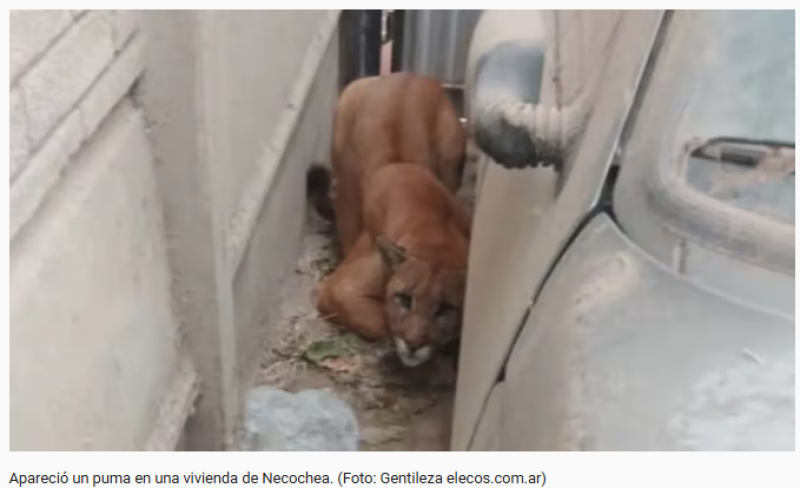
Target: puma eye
[
  {"x": 404, "y": 300},
  {"x": 444, "y": 309}
]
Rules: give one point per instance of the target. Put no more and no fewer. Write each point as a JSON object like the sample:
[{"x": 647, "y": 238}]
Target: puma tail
[{"x": 318, "y": 190}]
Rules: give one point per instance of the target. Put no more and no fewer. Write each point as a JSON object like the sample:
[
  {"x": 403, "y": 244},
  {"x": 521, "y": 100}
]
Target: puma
[{"x": 397, "y": 159}]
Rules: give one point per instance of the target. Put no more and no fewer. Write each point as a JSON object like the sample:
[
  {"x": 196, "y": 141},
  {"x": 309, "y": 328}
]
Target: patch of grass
[{"x": 337, "y": 347}]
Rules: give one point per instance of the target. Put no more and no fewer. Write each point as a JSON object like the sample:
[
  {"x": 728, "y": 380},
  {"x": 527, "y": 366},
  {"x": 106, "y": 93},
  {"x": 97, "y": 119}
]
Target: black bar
[
  {"x": 398, "y": 38},
  {"x": 359, "y": 44}
]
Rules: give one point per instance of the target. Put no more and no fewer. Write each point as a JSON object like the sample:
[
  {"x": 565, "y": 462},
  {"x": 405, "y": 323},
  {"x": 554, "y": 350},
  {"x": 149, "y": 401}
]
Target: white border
[{"x": 562, "y": 469}]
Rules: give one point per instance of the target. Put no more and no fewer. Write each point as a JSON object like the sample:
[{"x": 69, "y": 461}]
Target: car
[{"x": 631, "y": 282}]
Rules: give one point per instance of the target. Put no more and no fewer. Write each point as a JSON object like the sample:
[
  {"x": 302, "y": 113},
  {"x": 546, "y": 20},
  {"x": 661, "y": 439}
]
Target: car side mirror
[{"x": 505, "y": 94}]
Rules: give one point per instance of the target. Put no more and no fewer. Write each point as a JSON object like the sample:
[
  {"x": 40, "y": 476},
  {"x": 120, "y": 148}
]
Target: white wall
[
  {"x": 151, "y": 221},
  {"x": 263, "y": 52},
  {"x": 94, "y": 345},
  {"x": 239, "y": 103}
]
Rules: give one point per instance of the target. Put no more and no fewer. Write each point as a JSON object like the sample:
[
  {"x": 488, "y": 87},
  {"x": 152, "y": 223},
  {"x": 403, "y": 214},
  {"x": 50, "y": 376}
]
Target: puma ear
[{"x": 391, "y": 254}]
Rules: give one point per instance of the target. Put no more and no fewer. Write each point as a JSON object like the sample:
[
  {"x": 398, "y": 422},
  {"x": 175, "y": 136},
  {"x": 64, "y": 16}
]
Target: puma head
[{"x": 424, "y": 303}]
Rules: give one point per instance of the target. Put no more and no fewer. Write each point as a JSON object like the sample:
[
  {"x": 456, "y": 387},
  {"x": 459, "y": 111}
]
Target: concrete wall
[
  {"x": 94, "y": 340},
  {"x": 150, "y": 221}
]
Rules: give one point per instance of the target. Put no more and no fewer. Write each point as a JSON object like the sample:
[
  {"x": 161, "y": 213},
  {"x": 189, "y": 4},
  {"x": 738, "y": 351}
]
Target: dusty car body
[{"x": 632, "y": 264}]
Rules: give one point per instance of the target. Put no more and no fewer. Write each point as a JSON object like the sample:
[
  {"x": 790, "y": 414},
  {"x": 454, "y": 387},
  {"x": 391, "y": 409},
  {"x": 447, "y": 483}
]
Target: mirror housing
[{"x": 505, "y": 92}]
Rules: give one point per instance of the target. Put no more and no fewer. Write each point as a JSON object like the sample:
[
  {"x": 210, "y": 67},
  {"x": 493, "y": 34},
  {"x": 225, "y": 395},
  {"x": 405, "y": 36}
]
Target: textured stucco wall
[
  {"x": 93, "y": 336},
  {"x": 153, "y": 218}
]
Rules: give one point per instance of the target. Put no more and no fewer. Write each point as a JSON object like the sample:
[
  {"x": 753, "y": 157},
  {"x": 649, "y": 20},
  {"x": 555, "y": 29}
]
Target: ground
[{"x": 396, "y": 408}]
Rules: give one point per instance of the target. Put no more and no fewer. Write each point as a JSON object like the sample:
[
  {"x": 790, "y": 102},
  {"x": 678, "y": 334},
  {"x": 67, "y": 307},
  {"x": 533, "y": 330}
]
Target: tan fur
[{"x": 397, "y": 159}]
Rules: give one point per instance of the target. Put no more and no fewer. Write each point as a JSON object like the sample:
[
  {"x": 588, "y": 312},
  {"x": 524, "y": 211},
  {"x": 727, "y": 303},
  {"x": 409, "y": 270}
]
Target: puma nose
[
  {"x": 408, "y": 346},
  {"x": 412, "y": 355}
]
